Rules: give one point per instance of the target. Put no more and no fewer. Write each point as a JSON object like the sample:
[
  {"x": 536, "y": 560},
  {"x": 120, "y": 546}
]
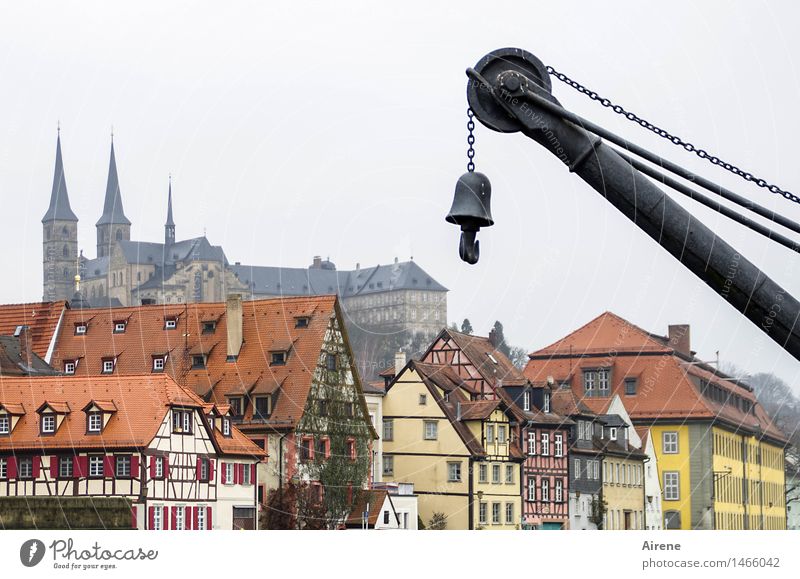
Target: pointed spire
[
  {"x": 112, "y": 207},
  {"x": 59, "y": 200},
  {"x": 169, "y": 226}
]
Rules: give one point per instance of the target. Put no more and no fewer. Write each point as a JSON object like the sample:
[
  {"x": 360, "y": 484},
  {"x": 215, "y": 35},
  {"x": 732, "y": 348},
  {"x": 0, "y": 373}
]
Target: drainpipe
[{"x": 471, "y": 505}]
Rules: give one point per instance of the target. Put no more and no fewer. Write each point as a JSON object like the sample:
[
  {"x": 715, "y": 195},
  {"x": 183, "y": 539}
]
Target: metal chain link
[
  {"x": 674, "y": 139},
  {"x": 470, "y": 140}
]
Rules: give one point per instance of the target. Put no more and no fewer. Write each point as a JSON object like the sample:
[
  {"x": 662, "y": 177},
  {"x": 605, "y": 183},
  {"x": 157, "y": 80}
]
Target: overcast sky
[{"x": 339, "y": 129}]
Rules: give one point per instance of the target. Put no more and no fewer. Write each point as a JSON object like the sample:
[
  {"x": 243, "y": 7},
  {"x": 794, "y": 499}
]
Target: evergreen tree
[
  {"x": 466, "y": 326},
  {"x": 500, "y": 340}
]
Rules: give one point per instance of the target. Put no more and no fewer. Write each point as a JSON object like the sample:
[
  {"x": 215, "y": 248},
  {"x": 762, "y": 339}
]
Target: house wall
[
  {"x": 623, "y": 491},
  {"x": 674, "y": 463}
]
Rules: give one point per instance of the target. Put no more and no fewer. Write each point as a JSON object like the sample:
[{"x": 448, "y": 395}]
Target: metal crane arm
[{"x": 509, "y": 91}]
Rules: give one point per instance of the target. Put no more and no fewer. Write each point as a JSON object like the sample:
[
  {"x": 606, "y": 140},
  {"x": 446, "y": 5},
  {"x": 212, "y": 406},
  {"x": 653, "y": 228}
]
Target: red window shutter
[
  {"x": 53, "y": 467},
  {"x": 108, "y": 465},
  {"x": 12, "y": 467},
  {"x": 195, "y": 510},
  {"x": 165, "y": 519},
  {"x": 82, "y": 462},
  {"x": 211, "y": 470},
  {"x": 187, "y": 518},
  {"x": 166, "y": 466},
  {"x": 153, "y": 460},
  {"x": 135, "y": 466},
  {"x": 151, "y": 517},
  {"x": 197, "y": 469},
  {"x": 223, "y": 471},
  {"x": 252, "y": 474},
  {"x": 240, "y": 468},
  {"x": 209, "y": 526},
  {"x": 37, "y": 465},
  {"x": 134, "y": 513},
  {"x": 174, "y": 517}
]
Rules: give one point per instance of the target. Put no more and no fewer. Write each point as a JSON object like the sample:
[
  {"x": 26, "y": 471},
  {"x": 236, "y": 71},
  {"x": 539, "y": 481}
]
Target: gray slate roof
[
  {"x": 112, "y": 207},
  {"x": 295, "y": 281},
  {"x": 94, "y": 268},
  {"x": 59, "y": 209},
  {"x": 144, "y": 252}
]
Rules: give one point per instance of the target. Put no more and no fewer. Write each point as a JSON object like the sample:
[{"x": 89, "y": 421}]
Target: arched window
[
  {"x": 94, "y": 293},
  {"x": 65, "y": 232},
  {"x": 121, "y": 278},
  {"x": 65, "y": 251},
  {"x": 119, "y": 234},
  {"x": 114, "y": 279}
]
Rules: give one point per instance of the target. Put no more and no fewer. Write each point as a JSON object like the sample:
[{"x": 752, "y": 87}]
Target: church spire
[
  {"x": 59, "y": 209},
  {"x": 169, "y": 226},
  {"x": 112, "y": 207}
]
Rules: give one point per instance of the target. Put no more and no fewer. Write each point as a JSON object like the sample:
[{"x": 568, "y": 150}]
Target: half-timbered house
[{"x": 144, "y": 438}]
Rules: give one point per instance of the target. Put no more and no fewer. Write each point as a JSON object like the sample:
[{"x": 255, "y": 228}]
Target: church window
[
  {"x": 65, "y": 251},
  {"x": 119, "y": 234},
  {"x": 65, "y": 232}
]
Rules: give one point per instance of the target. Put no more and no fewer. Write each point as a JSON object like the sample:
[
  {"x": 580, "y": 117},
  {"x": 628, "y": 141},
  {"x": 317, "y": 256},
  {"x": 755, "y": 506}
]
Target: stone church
[{"x": 399, "y": 296}]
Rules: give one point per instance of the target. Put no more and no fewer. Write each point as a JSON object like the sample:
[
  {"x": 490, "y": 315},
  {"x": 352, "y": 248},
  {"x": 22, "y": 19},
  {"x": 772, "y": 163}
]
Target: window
[
  {"x": 388, "y": 465},
  {"x": 69, "y": 367},
  {"x": 229, "y": 473},
  {"x": 178, "y": 516},
  {"x": 526, "y": 401},
  {"x": 301, "y": 322},
  {"x": 349, "y": 409},
  {"x": 159, "y": 468},
  {"x": 65, "y": 467},
  {"x": 453, "y": 472},
  {"x": 596, "y": 468},
  {"x": 547, "y": 402},
  {"x": 119, "y": 327},
  {"x": 246, "y": 475},
  {"x": 123, "y": 466},
  {"x": 509, "y": 474},
  {"x": 205, "y": 469},
  {"x": 95, "y": 465},
  {"x": 278, "y": 359},
  {"x": 201, "y": 518},
  {"x": 262, "y": 406},
  {"x": 48, "y": 423},
  {"x": 182, "y": 421},
  {"x": 3, "y": 468},
  {"x": 630, "y": 386},
  {"x": 545, "y": 490},
  {"x": 482, "y": 513},
  {"x": 209, "y": 327},
  {"x": 596, "y": 382},
  {"x": 578, "y": 469},
  {"x": 226, "y": 426},
  {"x": 532, "y": 443},
  {"x": 670, "y": 442},
  {"x": 490, "y": 434},
  {"x": 95, "y": 422},
  {"x": 483, "y": 473},
  {"x": 80, "y": 329},
  {"x": 501, "y": 434},
  {"x": 388, "y": 429},
  {"x": 588, "y": 383},
  {"x": 158, "y": 364},
  {"x": 198, "y": 362},
  {"x": 495, "y": 473},
  {"x": 431, "y": 430},
  {"x": 351, "y": 449},
  {"x": 603, "y": 381},
  {"x": 321, "y": 446},
  {"x": 496, "y": 514},
  {"x": 170, "y": 323},
  {"x": 559, "y": 491},
  {"x": 236, "y": 405},
  {"x": 5, "y": 425},
  {"x": 25, "y": 468},
  {"x": 612, "y": 433},
  {"x": 545, "y": 443},
  {"x": 306, "y": 449},
  {"x": 423, "y": 399},
  {"x": 509, "y": 513},
  {"x": 531, "y": 489},
  {"x": 558, "y": 441},
  {"x": 108, "y": 366},
  {"x": 671, "y": 486},
  {"x": 330, "y": 362}
]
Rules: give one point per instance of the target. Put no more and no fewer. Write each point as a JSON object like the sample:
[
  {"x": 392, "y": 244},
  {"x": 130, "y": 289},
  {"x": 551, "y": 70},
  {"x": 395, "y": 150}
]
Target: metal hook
[{"x": 469, "y": 247}]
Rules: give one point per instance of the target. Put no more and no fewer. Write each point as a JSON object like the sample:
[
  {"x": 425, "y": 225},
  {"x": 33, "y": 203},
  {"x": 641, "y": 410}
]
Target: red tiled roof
[
  {"x": 41, "y": 317},
  {"x": 372, "y": 498},
  {"x": 492, "y": 364},
  {"x": 479, "y": 409}
]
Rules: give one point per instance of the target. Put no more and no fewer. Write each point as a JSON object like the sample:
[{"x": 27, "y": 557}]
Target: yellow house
[{"x": 458, "y": 452}]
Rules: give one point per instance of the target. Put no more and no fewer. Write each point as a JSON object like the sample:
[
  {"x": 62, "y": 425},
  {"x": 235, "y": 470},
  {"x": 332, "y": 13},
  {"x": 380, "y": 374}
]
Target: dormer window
[
  {"x": 301, "y": 322},
  {"x": 119, "y": 326},
  {"x": 263, "y": 406},
  {"x": 198, "y": 362},
  {"x": 278, "y": 359},
  {"x": 330, "y": 362},
  {"x": 209, "y": 327},
  {"x": 80, "y": 328},
  {"x": 546, "y": 402},
  {"x": 526, "y": 401},
  {"x": 5, "y": 424},
  {"x": 95, "y": 422},
  {"x": 226, "y": 426},
  {"x": 48, "y": 423},
  {"x": 612, "y": 433},
  {"x": 182, "y": 421},
  {"x": 158, "y": 363},
  {"x": 236, "y": 405},
  {"x": 170, "y": 323},
  {"x": 70, "y": 366},
  {"x": 108, "y": 365}
]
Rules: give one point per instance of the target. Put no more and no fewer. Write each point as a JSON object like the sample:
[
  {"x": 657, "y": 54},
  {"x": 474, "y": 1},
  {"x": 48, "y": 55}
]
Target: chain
[
  {"x": 470, "y": 140},
  {"x": 672, "y": 138}
]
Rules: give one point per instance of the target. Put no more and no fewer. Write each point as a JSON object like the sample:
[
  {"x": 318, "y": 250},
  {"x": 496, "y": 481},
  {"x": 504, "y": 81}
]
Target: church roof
[
  {"x": 59, "y": 209},
  {"x": 145, "y": 252},
  {"x": 112, "y": 207},
  {"x": 295, "y": 281},
  {"x": 170, "y": 222}
]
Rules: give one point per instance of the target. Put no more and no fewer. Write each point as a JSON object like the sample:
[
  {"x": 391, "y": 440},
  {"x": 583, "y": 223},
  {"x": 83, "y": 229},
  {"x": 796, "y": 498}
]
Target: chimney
[
  {"x": 679, "y": 339},
  {"x": 233, "y": 313},
  {"x": 25, "y": 346},
  {"x": 493, "y": 338},
  {"x": 358, "y": 266},
  {"x": 399, "y": 361},
  {"x": 317, "y": 263}
]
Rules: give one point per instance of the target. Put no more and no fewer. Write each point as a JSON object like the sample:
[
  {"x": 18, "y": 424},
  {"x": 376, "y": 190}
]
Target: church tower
[
  {"x": 112, "y": 226},
  {"x": 60, "y": 238},
  {"x": 169, "y": 226}
]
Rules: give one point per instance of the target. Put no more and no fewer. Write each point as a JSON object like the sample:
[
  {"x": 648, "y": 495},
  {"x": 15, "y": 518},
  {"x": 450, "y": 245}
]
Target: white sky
[{"x": 339, "y": 129}]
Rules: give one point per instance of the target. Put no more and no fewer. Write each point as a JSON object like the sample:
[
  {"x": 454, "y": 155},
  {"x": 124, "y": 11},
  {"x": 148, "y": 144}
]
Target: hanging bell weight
[{"x": 471, "y": 204}]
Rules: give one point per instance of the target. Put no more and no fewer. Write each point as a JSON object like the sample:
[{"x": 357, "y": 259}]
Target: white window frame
[
  {"x": 201, "y": 518},
  {"x": 120, "y": 460},
  {"x": 545, "y": 490},
  {"x": 388, "y": 429},
  {"x": 170, "y": 324},
  {"x": 226, "y": 426},
  {"x": 603, "y": 380},
  {"x": 157, "y": 517},
  {"x": 490, "y": 433},
  {"x": 558, "y": 443},
  {"x": 179, "y": 523},
  {"x": 669, "y": 442},
  {"x": 577, "y": 468},
  {"x": 559, "y": 491},
  {"x": 546, "y": 405},
  {"x": 496, "y": 514},
  {"x": 483, "y": 473},
  {"x": 532, "y": 443},
  {"x": 80, "y": 329},
  {"x": 27, "y": 471},
  {"x": 612, "y": 433},
  {"x": 510, "y": 514},
  {"x": 433, "y": 433},
  {"x": 496, "y": 474},
  {"x": 48, "y": 423},
  {"x": 526, "y": 401},
  {"x": 672, "y": 485},
  {"x": 531, "y": 489},
  {"x": 501, "y": 434},
  {"x": 596, "y": 468},
  {"x": 69, "y": 367},
  {"x": 482, "y": 511},
  {"x": 108, "y": 366},
  {"x": 95, "y": 465},
  {"x": 589, "y": 381},
  {"x": 159, "y": 466},
  {"x": 510, "y": 474},
  {"x": 388, "y": 465},
  {"x": 187, "y": 421},
  {"x": 228, "y": 473},
  {"x": 119, "y": 327},
  {"x": 158, "y": 364},
  {"x": 545, "y": 445},
  {"x": 453, "y": 472},
  {"x": 5, "y": 424},
  {"x": 246, "y": 475},
  {"x": 95, "y": 421},
  {"x": 66, "y": 466}
]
